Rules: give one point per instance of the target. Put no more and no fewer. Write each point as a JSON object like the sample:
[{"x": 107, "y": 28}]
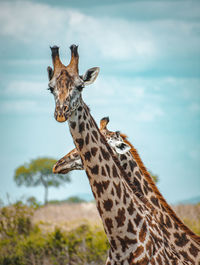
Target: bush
[
  {"x": 15, "y": 220},
  {"x": 22, "y": 243}
]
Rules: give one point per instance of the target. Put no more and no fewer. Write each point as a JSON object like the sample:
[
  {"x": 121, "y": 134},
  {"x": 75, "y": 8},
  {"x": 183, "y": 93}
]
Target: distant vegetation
[
  {"x": 38, "y": 172},
  {"x": 72, "y": 199},
  {"x": 154, "y": 177},
  {"x": 23, "y": 243}
]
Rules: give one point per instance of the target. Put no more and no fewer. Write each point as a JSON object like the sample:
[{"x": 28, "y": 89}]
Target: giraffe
[
  {"x": 129, "y": 220},
  {"x": 185, "y": 241}
]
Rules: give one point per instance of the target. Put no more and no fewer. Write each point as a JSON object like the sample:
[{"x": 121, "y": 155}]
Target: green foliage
[
  {"x": 193, "y": 224},
  {"x": 74, "y": 199},
  {"x": 24, "y": 244},
  {"x": 39, "y": 172},
  {"x": 32, "y": 202},
  {"x": 15, "y": 220},
  {"x": 154, "y": 177}
]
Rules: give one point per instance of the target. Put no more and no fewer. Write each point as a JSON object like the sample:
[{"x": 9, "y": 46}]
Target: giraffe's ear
[
  {"x": 50, "y": 72},
  {"x": 90, "y": 76},
  {"x": 120, "y": 146}
]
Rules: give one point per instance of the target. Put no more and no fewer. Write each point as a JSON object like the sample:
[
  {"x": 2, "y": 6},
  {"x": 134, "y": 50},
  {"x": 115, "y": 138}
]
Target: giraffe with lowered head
[
  {"x": 185, "y": 242},
  {"x": 128, "y": 219}
]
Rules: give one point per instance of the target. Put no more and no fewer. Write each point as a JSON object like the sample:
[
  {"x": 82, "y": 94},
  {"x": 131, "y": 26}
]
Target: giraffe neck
[
  {"x": 184, "y": 242},
  {"x": 126, "y": 217}
]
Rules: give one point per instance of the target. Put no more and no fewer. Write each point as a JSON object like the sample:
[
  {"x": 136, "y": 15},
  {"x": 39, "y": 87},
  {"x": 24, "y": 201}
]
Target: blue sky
[{"x": 149, "y": 85}]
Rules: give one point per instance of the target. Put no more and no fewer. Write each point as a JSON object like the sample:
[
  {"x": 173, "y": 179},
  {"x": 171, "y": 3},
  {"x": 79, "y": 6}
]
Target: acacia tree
[{"x": 39, "y": 172}]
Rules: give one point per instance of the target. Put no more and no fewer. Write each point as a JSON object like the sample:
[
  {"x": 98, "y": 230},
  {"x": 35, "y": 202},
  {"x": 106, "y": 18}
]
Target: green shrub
[
  {"x": 25, "y": 244},
  {"x": 15, "y": 220}
]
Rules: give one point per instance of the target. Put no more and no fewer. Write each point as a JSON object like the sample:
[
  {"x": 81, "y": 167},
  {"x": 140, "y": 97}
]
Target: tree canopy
[{"x": 38, "y": 172}]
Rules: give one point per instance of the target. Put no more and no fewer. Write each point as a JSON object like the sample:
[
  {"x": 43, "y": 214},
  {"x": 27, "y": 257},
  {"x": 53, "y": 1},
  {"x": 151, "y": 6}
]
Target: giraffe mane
[{"x": 164, "y": 203}]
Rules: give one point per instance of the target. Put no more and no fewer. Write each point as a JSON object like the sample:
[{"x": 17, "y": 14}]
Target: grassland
[{"x": 60, "y": 234}]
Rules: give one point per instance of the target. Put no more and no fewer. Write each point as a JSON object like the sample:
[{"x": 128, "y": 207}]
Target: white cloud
[
  {"x": 15, "y": 106},
  {"x": 133, "y": 44},
  {"x": 195, "y": 107},
  {"x": 149, "y": 113},
  {"x": 26, "y": 21},
  {"x": 112, "y": 38},
  {"x": 25, "y": 88}
]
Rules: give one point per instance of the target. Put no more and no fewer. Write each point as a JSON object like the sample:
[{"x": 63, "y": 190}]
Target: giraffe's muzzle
[{"x": 61, "y": 114}]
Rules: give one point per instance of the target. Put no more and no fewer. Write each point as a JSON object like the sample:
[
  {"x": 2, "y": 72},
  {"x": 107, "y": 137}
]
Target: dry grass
[
  {"x": 66, "y": 215},
  {"x": 188, "y": 211},
  {"x": 190, "y": 215},
  {"x": 71, "y": 215}
]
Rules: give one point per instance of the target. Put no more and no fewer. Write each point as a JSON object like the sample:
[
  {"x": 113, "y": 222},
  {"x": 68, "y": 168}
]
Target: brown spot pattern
[
  {"x": 120, "y": 218},
  {"x": 87, "y": 126},
  {"x": 132, "y": 164},
  {"x": 130, "y": 208},
  {"x": 100, "y": 158},
  {"x": 94, "y": 151},
  {"x": 138, "y": 252},
  {"x": 99, "y": 188},
  {"x": 181, "y": 240},
  {"x": 126, "y": 242},
  {"x": 80, "y": 143},
  {"x": 99, "y": 208},
  {"x": 103, "y": 172},
  {"x": 81, "y": 127},
  {"x": 168, "y": 222},
  {"x": 113, "y": 243},
  {"x": 105, "y": 154},
  {"x": 131, "y": 228},
  {"x": 87, "y": 156},
  {"x": 93, "y": 139},
  {"x": 72, "y": 124},
  {"x": 109, "y": 224},
  {"x": 142, "y": 234},
  {"x": 108, "y": 204},
  {"x": 108, "y": 170},
  {"x": 155, "y": 201},
  {"x": 114, "y": 170},
  {"x": 137, "y": 219},
  {"x": 105, "y": 184},
  {"x": 185, "y": 255},
  {"x": 87, "y": 139},
  {"x": 193, "y": 250},
  {"x": 122, "y": 157},
  {"x": 118, "y": 189},
  {"x": 95, "y": 134},
  {"x": 94, "y": 170},
  {"x": 159, "y": 260},
  {"x": 124, "y": 166}
]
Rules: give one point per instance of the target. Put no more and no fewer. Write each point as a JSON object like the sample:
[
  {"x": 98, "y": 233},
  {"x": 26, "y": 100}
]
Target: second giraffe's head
[{"x": 66, "y": 84}]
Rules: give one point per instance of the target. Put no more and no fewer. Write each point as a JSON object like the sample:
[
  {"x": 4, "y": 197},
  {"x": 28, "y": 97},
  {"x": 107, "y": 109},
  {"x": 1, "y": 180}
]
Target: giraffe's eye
[
  {"x": 80, "y": 88},
  {"x": 51, "y": 89}
]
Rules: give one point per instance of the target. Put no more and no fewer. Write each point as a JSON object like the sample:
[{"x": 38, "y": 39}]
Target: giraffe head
[
  {"x": 72, "y": 160},
  {"x": 66, "y": 84},
  {"x": 113, "y": 138}
]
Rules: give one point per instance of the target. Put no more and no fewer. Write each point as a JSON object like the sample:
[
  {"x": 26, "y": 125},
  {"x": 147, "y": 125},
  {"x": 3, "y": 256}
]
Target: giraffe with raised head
[
  {"x": 185, "y": 241},
  {"x": 129, "y": 221}
]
